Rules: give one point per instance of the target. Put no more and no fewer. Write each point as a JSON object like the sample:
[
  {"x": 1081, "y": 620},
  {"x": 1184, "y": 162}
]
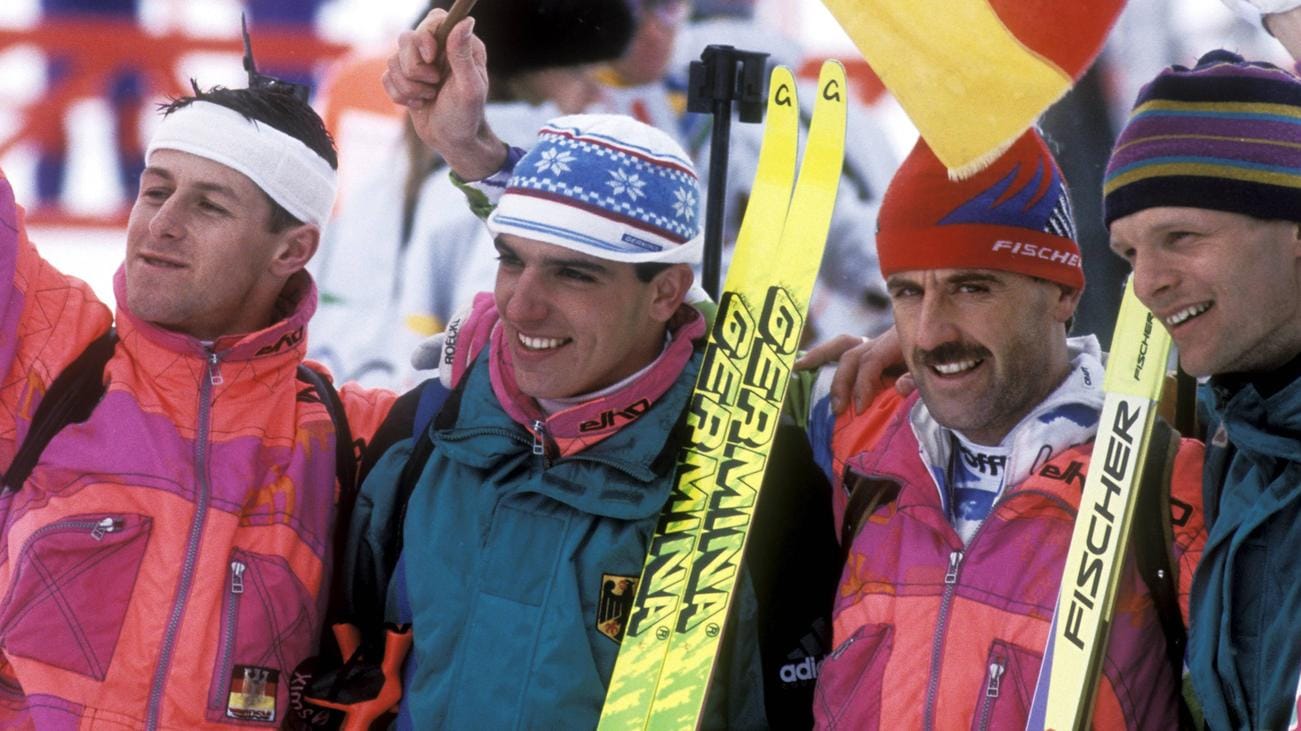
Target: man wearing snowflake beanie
[
  {"x": 1202, "y": 196},
  {"x": 957, "y": 503},
  {"x": 555, "y": 450}
]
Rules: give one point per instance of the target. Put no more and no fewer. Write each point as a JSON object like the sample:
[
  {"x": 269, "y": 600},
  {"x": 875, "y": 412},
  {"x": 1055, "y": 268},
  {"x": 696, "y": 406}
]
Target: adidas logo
[{"x": 794, "y": 672}]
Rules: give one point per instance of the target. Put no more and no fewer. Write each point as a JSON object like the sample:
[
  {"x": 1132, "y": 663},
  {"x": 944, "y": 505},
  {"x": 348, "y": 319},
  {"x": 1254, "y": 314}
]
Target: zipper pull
[
  {"x": 995, "y": 675},
  {"x": 237, "y": 577},
  {"x": 107, "y": 525},
  {"x": 844, "y": 647},
  {"x": 539, "y": 430},
  {"x": 951, "y": 576},
  {"x": 214, "y": 370}
]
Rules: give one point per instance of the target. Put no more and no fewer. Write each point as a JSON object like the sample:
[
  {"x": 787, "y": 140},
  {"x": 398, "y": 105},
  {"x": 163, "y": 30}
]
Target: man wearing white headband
[
  {"x": 164, "y": 562},
  {"x": 554, "y": 453}
]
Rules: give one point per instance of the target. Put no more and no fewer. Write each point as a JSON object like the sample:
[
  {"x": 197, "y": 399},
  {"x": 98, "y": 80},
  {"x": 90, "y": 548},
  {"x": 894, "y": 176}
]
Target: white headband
[{"x": 297, "y": 178}]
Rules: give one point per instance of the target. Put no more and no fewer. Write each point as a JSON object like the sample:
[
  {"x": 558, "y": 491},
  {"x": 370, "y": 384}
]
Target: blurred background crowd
[{"x": 79, "y": 80}]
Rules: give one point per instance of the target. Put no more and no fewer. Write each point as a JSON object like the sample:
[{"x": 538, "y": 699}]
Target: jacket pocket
[
  {"x": 497, "y": 657},
  {"x": 268, "y": 626},
  {"x": 848, "y": 694},
  {"x": 1011, "y": 673},
  {"x": 71, "y": 585}
]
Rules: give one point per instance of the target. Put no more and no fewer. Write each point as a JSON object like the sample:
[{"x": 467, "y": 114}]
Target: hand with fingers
[
  {"x": 445, "y": 91},
  {"x": 864, "y": 367}
]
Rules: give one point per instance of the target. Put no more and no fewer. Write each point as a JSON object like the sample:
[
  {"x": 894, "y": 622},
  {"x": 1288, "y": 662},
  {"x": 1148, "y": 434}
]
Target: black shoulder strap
[
  {"x": 71, "y": 397},
  {"x": 1153, "y": 537},
  {"x": 345, "y": 463},
  {"x": 433, "y": 397},
  {"x": 866, "y": 494},
  {"x": 345, "y": 453}
]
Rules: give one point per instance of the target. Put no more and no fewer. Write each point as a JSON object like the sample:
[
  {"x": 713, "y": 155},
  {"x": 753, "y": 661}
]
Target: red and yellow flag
[{"x": 974, "y": 74}]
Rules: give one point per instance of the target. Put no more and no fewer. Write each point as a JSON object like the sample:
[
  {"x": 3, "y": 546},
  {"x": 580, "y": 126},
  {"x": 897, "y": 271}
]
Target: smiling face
[
  {"x": 1226, "y": 286},
  {"x": 574, "y": 323},
  {"x": 984, "y": 346},
  {"x": 200, "y": 259}
]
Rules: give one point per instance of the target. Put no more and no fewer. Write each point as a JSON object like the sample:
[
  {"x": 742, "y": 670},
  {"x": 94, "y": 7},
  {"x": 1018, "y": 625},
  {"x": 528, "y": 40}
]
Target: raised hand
[{"x": 445, "y": 91}]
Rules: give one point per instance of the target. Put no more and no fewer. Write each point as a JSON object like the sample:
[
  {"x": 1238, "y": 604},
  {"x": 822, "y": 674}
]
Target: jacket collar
[
  {"x": 580, "y": 426},
  {"x": 1259, "y": 418},
  {"x": 287, "y": 337},
  {"x": 625, "y": 474}
]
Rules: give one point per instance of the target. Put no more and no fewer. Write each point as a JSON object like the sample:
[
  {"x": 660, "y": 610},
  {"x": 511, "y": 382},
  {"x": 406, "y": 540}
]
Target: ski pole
[{"x": 722, "y": 75}]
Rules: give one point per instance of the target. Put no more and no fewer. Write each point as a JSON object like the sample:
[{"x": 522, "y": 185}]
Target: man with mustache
[{"x": 957, "y": 502}]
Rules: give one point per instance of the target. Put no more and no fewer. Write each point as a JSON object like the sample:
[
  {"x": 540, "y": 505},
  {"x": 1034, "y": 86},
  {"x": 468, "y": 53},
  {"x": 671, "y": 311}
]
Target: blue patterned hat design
[{"x": 608, "y": 186}]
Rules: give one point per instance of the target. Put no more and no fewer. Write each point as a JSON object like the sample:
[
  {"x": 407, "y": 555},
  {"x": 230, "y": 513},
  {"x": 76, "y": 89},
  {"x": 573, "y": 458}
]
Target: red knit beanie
[{"x": 1014, "y": 216}]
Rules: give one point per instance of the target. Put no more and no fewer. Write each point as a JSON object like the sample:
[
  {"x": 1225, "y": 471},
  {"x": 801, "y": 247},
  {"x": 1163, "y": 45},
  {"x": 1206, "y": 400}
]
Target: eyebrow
[
  {"x": 963, "y": 278},
  {"x": 551, "y": 261},
  {"x": 205, "y": 186},
  {"x": 974, "y": 278}
]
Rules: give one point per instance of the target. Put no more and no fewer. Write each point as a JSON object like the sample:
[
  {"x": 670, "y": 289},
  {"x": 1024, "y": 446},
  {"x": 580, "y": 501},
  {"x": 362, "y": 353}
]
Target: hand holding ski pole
[{"x": 446, "y": 98}]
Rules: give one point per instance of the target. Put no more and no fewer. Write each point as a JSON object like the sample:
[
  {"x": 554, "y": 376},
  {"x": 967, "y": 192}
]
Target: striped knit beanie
[
  {"x": 1224, "y": 135},
  {"x": 608, "y": 186},
  {"x": 1014, "y": 216}
]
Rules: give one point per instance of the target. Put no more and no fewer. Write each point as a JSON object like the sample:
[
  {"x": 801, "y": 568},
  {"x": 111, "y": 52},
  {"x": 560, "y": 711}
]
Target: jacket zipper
[
  {"x": 96, "y": 528},
  {"x": 536, "y": 441},
  {"x": 540, "y": 442},
  {"x": 237, "y": 569},
  {"x": 950, "y": 581},
  {"x": 941, "y": 627},
  {"x": 539, "y": 433},
  {"x": 991, "y": 693},
  {"x": 104, "y": 527},
  {"x": 192, "y": 546}
]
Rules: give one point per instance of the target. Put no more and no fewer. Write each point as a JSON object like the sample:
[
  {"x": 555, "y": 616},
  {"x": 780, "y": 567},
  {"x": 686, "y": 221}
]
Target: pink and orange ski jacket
[
  {"x": 930, "y": 633},
  {"x": 165, "y": 565}
]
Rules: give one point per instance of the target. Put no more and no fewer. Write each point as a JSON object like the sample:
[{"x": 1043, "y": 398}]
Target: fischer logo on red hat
[{"x": 1014, "y": 215}]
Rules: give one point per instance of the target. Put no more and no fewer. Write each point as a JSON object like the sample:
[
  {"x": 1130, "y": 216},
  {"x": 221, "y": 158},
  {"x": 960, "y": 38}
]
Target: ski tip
[
  {"x": 781, "y": 86},
  {"x": 832, "y": 86}
]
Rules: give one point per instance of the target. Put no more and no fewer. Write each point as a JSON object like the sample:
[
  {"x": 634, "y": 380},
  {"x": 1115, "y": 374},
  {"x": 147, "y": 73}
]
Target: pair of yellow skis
[{"x": 677, "y": 621}]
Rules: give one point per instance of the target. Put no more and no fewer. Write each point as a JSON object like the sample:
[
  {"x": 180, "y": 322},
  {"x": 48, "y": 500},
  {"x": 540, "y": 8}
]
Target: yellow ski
[
  {"x": 1086, "y": 601},
  {"x": 671, "y": 642}
]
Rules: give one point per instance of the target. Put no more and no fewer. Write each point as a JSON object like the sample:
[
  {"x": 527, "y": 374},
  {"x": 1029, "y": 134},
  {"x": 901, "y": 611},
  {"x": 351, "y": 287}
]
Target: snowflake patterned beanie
[
  {"x": 608, "y": 186},
  {"x": 1013, "y": 216}
]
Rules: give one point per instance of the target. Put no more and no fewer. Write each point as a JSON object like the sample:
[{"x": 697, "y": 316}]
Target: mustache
[{"x": 950, "y": 352}]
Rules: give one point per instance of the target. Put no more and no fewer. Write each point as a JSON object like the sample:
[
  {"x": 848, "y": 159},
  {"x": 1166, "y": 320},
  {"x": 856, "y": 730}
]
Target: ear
[
  {"x": 1065, "y": 301},
  {"x": 668, "y": 289},
  {"x": 294, "y": 248}
]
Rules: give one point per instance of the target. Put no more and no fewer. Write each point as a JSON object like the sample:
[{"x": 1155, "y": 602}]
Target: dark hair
[
  {"x": 528, "y": 35},
  {"x": 277, "y": 108},
  {"x": 647, "y": 270}
]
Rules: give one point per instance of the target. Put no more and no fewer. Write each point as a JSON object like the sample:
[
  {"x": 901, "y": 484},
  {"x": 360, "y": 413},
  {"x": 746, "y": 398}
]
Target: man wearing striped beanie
[{"x": 1203, "y": 197}]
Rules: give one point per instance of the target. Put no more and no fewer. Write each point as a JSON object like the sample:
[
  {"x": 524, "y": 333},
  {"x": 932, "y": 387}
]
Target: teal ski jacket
[
  {"x": 515, "y": 565},
  {"x": 1244, "y": 649}
]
